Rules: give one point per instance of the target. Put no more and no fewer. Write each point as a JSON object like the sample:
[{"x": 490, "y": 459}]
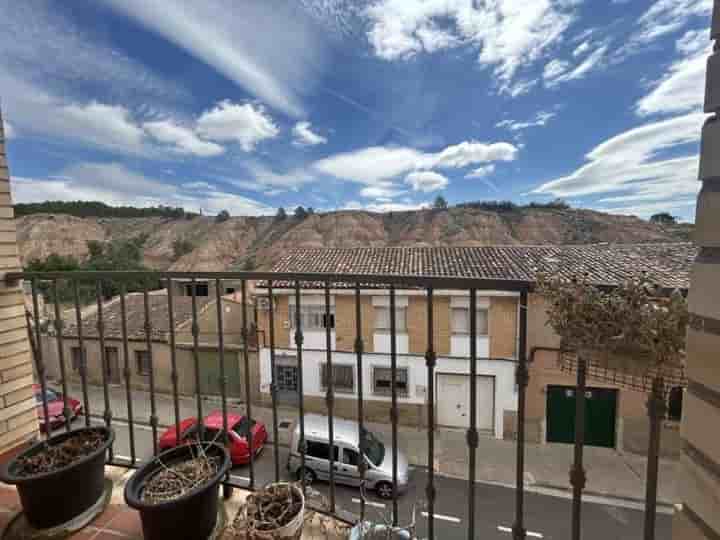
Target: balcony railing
[{"x": 82, "y": 281}]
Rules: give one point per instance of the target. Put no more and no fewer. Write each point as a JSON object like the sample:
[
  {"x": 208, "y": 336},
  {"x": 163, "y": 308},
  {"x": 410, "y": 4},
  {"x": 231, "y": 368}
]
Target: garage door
[
  {"x": 600, "y": 412},
  {"x": 210, "y": 373},
  {"x": 453, "y": 401}
]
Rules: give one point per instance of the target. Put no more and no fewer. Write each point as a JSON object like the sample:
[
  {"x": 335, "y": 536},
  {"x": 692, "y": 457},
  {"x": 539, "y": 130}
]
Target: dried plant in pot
[
  {"x": 46, "y": 473},
  {"x": 275, "y": 512},
  {"x": 176, "y": 492}
]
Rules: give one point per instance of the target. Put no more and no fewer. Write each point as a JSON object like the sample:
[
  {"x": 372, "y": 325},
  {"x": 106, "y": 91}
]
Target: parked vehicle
[
  {"x": 238, "y": 426},
  {"x": 346, "y": 456},
  {"x": 55, "y": 404}
]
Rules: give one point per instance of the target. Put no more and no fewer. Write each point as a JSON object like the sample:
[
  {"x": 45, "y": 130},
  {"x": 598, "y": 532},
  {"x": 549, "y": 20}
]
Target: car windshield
[
  {"x": 374, "y": 449},
  {"x": 241, "y": 428},
  {"x": 50, "y": 394}
]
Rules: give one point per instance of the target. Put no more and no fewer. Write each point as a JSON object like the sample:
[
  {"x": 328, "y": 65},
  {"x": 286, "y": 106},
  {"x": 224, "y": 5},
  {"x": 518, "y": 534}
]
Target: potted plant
[
  {"x": 46, "y": 473},
  {"x": 176, "y": 492},
  {"x": 275, "y": 512}
]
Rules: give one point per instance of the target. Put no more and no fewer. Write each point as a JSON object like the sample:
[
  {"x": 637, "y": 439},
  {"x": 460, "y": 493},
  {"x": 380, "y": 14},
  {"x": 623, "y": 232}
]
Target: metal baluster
[
  {"x": 330, "y": 398},
  {"x": 39, "y": 358},
  {"x": 196, "y": 359},
  {"x": 148, "y": 344},
  {"x": 67, "y": 413},
  {"x": 273, "y": 382},
  {"x": 301, "y": 409},
  {"x": 83, "y": 356},
  {"x": 107, "y": 414},
  {"x": 248, "y": 395},
  {"x": 472, "y": 433},
  {"x": 126, "y": 356},
  {"x": 393, "y": 406},
  {"x": 173, "y": 358},
  {"x": 657, "y": 409},
  {"x": 430, "y": 361},
  {"x": 358, "y": 354},
  {"x": 521, "y": 377},
  {"x": 222, "y": 380},
  {"x": 577, "y": 473}
]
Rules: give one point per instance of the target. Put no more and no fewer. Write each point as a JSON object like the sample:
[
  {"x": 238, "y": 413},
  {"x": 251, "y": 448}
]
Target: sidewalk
[{"x": 609, "y": 473}]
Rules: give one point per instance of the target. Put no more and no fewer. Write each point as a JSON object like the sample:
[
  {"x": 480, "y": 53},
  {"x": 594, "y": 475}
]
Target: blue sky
[{"x": 379, "y": 104}]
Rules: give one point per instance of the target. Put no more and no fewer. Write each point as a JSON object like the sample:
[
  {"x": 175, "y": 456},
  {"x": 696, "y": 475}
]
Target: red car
[
  {"x": 55, "y": 405},
  {"x": 237, "y": 425}
]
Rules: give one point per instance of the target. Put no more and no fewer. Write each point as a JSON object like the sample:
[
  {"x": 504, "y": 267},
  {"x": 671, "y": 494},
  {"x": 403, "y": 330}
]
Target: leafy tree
[
  {"x": 300, "y": 213},
  {"x": 440, "y": 203},
  {"x": 663, "y": 218},
  {"x": 224, "y": 215},
  {"x": 310, "y": 210},
  {"x": 182, "y": 246},
  {"x": 98, "y": 209},
  {"x": 281, "y": 214}
]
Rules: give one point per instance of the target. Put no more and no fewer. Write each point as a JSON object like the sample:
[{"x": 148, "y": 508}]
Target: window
[
  {"x": 675, "y": 402},
  {"x": 382, "y": 318},
  {"x": 319, "y": 450},
  {"x": 343, "y": 377},
  {"x": 312, "y": 317},
  {"x": 461, "y": 321},
  {"x": 201, "y": 289},
  {"x": 242, "y": 427},
  {"x": 229, "y": 290},
  {"x": 51, "y": 395},
  {"x": 76, "y": 354},
  {"x": 144, "y": 364},
  {"x": 382, "y": 381},
  {"x": 351, "y": 457}
]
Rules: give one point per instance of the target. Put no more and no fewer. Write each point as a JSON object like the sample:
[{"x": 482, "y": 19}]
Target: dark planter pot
[
  {"x": 51, "y": 499},
  {"x": 190, "y": 517}
]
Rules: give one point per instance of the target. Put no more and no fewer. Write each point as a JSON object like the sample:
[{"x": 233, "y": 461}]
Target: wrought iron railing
[{"x": 296, "y": 282}]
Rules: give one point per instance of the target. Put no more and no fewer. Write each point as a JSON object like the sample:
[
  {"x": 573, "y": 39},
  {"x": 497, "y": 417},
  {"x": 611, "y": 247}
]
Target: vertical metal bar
[
  {"x": 246, "y": 361},
  {"x": 83, "y": 356},
  {"x": 393, "y": 405},
  {"x": 196, "y": 359},
  {"x": 521, "y": 377},
  {"x": 222, "y": 380},
  {"x": 273, "y": 382},
  {"x": 126, "y": 356},
  {"x": 472, "y": 434},
  {"x": 656, "y": 412},
  {"x": 301, "y": 408},
  {"x": 430, "y": 361},
  {"x": 577, "y": 473},
  {"x": 148, "y": 344},
  {"x": 173, "y": 358},
  {"x": 107, "y": 414},
  {"x": 330, "y": 397},
  {"x": 67, "y": 413},
  {"x": 39, "y": 358},
  {"x": 358, "y": 356}
]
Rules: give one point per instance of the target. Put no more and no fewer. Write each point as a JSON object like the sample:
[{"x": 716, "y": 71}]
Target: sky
[{"x": 355, "y": 104}]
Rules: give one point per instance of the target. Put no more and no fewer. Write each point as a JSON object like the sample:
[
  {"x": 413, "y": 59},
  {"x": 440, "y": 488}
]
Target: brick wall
[
  {"x": 18, "y": 417},
  {"x": 345, "y": 322}
]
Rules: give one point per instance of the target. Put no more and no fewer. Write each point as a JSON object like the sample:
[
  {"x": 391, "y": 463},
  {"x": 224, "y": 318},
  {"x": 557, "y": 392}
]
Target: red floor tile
[
  {"x": 9, "y": 498},
  {"x": 127, "y": 521}
]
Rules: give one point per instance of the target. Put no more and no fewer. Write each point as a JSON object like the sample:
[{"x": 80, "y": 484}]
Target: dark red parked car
[
  {"x": 238, "y": 433},
  {"x": 55, "y": 407}
]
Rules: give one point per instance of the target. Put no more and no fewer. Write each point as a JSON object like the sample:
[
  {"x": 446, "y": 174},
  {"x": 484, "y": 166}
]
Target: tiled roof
[
  {"x": 665, "y": 264},
  {"x": 135, "y": 316}
]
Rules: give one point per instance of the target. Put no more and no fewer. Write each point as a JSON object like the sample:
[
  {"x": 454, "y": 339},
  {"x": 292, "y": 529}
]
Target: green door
[
  {"x": 600, "y": 413},
  {"x": 210, "y": 373}
]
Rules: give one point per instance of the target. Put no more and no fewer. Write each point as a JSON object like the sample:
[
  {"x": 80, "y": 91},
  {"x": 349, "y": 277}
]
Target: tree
[
  {"x": 281, "y": 214},
  {"x": 300, "y": 213},
  {"x": 224, "y": 215},
  {"x": 440, "y": 203},
  {"x": 310, "y": 210},
  {"x": 182, "y": 246},
  {"x": 663, "y": 218}
]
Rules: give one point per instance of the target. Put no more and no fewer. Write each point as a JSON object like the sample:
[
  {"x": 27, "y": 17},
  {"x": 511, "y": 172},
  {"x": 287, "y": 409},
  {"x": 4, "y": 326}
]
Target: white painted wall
[
  {"x": 313, "y": 339},
  {"x": 381, "y": 342},
  {"x": 503, "y": 371},
  {"x": 460, "y": 346}
]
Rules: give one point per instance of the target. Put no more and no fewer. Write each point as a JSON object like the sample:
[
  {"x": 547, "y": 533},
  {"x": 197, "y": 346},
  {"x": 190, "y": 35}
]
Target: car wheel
[
  {"x": 308, "y": 474},
  {"x": 384, "y": 490}
]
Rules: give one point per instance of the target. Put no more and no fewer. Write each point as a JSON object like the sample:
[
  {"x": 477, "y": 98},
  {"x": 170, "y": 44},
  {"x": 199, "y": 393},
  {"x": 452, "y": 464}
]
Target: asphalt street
[{"x": 546, "y": 516}]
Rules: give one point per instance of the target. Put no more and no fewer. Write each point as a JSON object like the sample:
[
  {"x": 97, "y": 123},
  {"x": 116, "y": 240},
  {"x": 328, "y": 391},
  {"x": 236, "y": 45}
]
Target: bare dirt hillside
[{"x": 255, "y": 242}]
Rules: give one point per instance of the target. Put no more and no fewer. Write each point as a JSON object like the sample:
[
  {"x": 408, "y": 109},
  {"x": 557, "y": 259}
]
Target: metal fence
[{"x": 50, "y": 282}]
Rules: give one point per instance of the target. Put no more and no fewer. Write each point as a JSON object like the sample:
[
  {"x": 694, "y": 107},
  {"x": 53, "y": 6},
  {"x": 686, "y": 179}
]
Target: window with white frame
[
  {"x": 461, "y": 321},
  {"x": 382, "y": 318},
  {"x": 343, "y": 377},
  {"x": 312, "y": 317},
  {"x": 382, "y": 381}
]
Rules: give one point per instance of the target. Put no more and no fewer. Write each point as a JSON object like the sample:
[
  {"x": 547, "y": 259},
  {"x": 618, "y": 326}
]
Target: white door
[{"x": 453, "y": 401}]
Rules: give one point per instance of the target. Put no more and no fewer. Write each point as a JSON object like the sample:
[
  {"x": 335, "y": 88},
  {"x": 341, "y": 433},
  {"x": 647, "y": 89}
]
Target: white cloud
[
  {"x": 540, "y": 119},
  {"x": 648, "y": 209},
  {"x": 629, "y": 167},
  {"x": 518, "y": 88},
  {"x": 666, "y": 16},
  {"x": 683, "y": 87},
  {"x": 426, "y": 181},
  {"x": 304, "y": 136},
  {"x": 471, "y": 152},
  {"x": 8, "y": 130},
  {"x": 508, "y": 33},
  {"x": 182, "y": 139},
  {"x": 385, "y": 207},
  {"x": 561, "y": 72},
  {"x": 271, "y": 49},
  {"x": 246, "y": 124},
  {"x": 384, "y": 191},
  {"x": 481, "y": 172},
  {"x": 582, "y": 48},
  {"x": 554, "y": 68}
]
